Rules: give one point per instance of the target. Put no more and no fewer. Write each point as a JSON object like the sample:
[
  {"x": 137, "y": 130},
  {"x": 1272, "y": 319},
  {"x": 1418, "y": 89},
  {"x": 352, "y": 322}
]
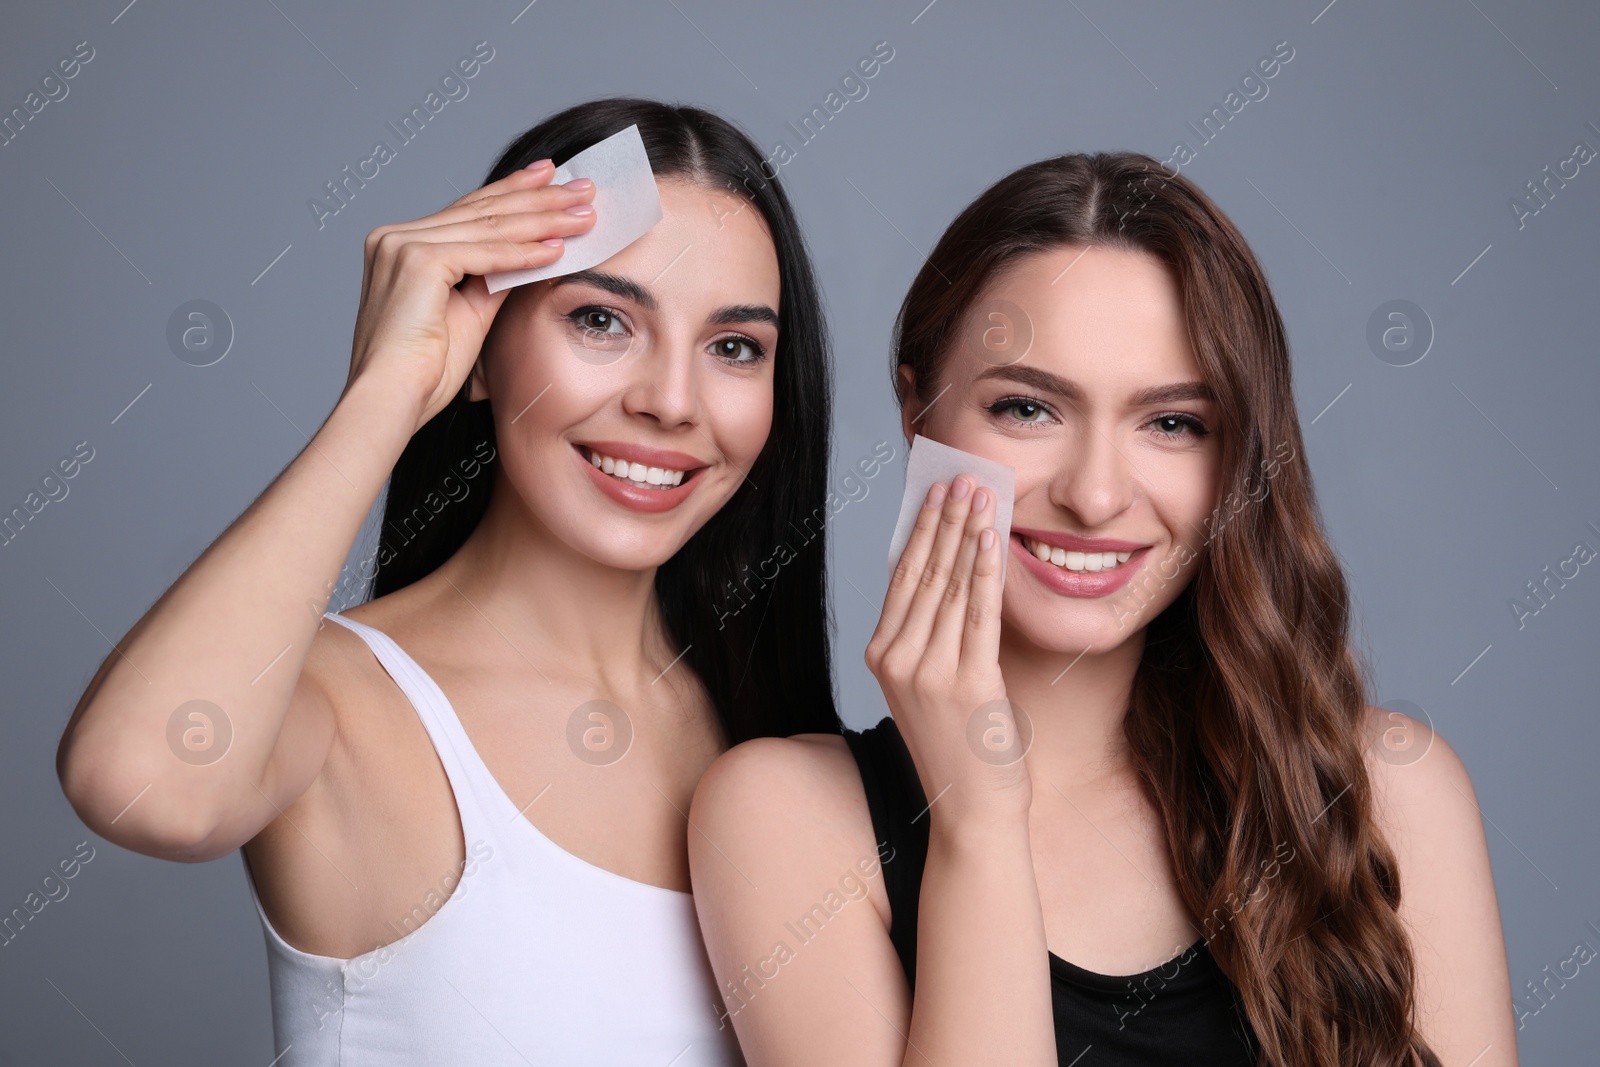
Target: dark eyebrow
[
  {"x": 632, "y": 290},
  {"x": 743, "y": 313},
  {"x": 611, "y": 283},
  {"x": 1043, "y": 380}
]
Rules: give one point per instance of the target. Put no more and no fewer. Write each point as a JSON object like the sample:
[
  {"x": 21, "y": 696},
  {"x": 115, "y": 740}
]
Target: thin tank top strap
[
  {"x": 898, "y": 807},
  {"x": 474, "y": 798}
]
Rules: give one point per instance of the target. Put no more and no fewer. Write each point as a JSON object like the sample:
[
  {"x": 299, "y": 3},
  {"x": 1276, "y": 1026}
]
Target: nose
[
  {"x": 663, "y": 382},
  {"x": 1095, "y": 480}
]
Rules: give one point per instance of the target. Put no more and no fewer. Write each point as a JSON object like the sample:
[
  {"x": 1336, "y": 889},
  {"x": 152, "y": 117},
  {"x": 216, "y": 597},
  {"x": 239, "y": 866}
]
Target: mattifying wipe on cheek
[{"x": 932, "y": 462}]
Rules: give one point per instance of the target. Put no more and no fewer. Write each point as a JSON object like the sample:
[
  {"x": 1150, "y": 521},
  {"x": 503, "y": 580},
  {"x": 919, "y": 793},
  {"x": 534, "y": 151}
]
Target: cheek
[
  {"x": 523, "y": 362},
  {"x": 536, "y": 399},
  {"x": 740, "y": 418},
  {"x": 1185, "y": 493},
  {"x": 1196, "y": 501},
  {"x": 542, "y": 383}
]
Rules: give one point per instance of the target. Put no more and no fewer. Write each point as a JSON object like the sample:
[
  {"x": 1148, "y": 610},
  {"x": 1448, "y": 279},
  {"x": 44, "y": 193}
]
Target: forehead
[
  {"x": 1086, "y": 313},
  {"x": 711, "y": 246}
]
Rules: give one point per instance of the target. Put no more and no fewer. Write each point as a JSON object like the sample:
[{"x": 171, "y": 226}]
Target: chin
[
  {"x": 1067, "y": 632},
  {"x": 642, "y": 551}
]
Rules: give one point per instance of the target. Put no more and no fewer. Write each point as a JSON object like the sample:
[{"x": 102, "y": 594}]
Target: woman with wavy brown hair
[{"x": 1132, "y": 805}]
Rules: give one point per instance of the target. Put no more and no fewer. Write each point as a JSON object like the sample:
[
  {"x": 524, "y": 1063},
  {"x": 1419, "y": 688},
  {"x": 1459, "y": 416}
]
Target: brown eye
[
  {"x": 597, "y": 320},
  {"x": 729, "y": 349}
]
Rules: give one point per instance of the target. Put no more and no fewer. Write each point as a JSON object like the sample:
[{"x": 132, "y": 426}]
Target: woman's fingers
[
  {"x": 515, "y": 247},
  {"x": 522, "y": 189},
  {"x": 980, "y": 642},
  {"x": 467, "y": 205},
  {"x": 907, "y": 576},
  {"x": 534, "y": 176},
  {"x": 521, "y": 207},
  {"x": 936, "y": 571},
  {"x": 517, "y": 198},
  {"x": 944, "y": 597},
  {"x": 520, "y": 192},
  {"x": 515, "y": 230},
  {"x": 475, "y": 246},
  {"x": 949, "y": 623}
]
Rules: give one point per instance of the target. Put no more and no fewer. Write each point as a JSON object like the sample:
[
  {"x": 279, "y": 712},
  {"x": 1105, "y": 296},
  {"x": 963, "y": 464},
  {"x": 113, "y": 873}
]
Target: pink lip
[
  {"x": 1074, "y": 543},
  {"x": 632, "y": 497},
  {"x": 650, "y": 457},
  {"x": 1072, "y": 583}
]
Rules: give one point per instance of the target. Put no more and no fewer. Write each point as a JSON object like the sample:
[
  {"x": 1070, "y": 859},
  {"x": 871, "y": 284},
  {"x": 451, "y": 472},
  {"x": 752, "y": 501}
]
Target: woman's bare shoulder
[
  {"x": 788, "y": 806},
  {"x": 343, "y": 684},
  {"x": 1426, "y": 808},
  {"x": 341, "y": 668},
  {"x": 1413, "y": 770},
  {"x": 811, "y": 776}
]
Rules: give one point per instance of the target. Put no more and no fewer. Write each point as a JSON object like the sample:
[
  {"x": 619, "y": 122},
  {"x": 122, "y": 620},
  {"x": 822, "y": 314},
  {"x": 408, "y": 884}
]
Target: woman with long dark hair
[
  {"x": 1132, "y": 805},
  {"x": 462, "y": 807}
]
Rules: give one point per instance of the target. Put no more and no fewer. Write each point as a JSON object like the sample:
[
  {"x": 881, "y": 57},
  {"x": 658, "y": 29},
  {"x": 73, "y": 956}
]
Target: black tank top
[{"x": 1185, "y": 1010}]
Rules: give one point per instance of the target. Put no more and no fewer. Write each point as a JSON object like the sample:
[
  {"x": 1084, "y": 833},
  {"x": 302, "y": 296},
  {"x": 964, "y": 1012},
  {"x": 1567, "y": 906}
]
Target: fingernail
[
  {"x": 936, "y": 495},
  {"x": 536, "y": 164},
  {"x": 958, "y": 491},
  {"x": 554, "y": 241},
  {"x": 579, "y": 183},
  {"x": 986, "y": 538},
  {"x": 580, "y": 209},
  {"x": 980, "y": 499}
]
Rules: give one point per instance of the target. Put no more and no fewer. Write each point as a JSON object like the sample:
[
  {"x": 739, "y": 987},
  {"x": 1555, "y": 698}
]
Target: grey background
[{"x": 1378, "y": 167}]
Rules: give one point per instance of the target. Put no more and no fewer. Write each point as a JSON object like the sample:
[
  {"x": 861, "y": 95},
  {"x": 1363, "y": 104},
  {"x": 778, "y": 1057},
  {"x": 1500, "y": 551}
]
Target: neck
[
  {"x": 559, "y": 609},
  {"x": 1076, "y": 701}
]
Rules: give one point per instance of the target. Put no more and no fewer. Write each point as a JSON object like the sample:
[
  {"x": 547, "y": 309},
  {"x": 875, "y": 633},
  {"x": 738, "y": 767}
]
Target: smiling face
[
  {"x": 1074, "y": 368},
  {"x": 657, "y": 364}
]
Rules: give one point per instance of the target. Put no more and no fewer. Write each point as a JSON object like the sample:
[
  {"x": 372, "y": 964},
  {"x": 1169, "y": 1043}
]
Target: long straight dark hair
[
  {"x": 766, "y": 666},
  {"x": 1246, "y": 715}
]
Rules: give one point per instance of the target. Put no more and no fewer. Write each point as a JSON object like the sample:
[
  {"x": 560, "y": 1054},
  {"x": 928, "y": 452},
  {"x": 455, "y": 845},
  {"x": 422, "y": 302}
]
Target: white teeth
[
  {"x": 1088, "y": 562},
  {"x": 636, "y": 473}
]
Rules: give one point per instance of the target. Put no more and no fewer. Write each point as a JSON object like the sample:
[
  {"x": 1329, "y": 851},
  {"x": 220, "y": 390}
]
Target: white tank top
[{"x": 534, "y": 956}]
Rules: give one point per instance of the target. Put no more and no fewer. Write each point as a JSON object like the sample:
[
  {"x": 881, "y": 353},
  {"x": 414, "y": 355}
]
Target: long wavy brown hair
[{"x": 1246, "y": 720}]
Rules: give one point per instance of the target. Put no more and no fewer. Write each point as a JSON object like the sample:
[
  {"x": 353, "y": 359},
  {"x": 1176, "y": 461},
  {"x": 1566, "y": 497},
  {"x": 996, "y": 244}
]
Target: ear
[{"x": 912, "y": 407}]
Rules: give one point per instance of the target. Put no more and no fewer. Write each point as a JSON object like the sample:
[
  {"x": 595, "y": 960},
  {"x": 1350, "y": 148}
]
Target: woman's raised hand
[
  {"x": 936, "y": 653},
  {"x": 416, "y": 330},
  {"x": 243, "y": 603}
]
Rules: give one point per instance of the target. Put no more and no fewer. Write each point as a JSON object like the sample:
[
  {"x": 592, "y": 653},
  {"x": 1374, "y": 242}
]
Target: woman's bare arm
[
  {"x": 782, "y": 833},
  {"x": 236, "y": 628},
  {"x": 778, "y": 824}
]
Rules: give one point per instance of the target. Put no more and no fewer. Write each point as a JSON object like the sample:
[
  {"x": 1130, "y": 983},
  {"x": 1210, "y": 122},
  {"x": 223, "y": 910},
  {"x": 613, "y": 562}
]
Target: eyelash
[
  {"x": 577, "y": 315},
  {"x": 1197, "y": 429}
]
